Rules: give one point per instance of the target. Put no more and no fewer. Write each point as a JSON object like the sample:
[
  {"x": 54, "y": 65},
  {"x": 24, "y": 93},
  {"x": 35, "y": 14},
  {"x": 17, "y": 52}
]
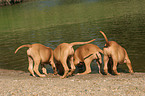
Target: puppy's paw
[
  {"x": 79, "y": 74},
  {"x": 132, "y": 73},
  {"x": 33, "y": 75},
  {"x": 117, "y": 73},
  {"x": 42, "y": 75},
  {"x": 70, "y": 74},
  {"x": 104, "y": 73},
  {"x": 55, "y": 73},
  {"x": 62, "y": 77}
]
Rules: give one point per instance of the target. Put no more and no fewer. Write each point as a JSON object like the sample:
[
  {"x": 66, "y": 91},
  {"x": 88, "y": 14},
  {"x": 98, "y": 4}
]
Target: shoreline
[{"x": 13, "y": 82}]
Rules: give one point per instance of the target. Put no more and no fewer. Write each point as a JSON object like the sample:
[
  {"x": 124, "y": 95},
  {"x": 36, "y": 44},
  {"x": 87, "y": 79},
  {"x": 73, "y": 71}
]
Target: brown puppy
[
  {"x": 86, "y": 54},
  {"x": 39, "y": 54},
  {"x": 65, "y": 52},
  {"x": 117, "y": 53}
]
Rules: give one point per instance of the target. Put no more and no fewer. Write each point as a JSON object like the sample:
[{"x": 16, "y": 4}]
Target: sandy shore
[{"x": 19, "y": 83}]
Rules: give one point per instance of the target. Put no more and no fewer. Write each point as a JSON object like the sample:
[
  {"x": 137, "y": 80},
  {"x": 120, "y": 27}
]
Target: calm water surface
[{"x": 51, "y": 22}]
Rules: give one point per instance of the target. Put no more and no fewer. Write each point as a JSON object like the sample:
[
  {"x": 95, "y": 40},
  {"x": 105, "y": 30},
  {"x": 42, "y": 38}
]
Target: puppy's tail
[
  {"x": 28, "y": 45},
  {"x": 78, "y": 43},
  {"x": 107, "y": 43}
]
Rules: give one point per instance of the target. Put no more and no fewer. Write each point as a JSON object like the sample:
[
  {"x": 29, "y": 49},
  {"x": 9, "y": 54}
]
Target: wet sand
[{"x": 19, "y": 83}]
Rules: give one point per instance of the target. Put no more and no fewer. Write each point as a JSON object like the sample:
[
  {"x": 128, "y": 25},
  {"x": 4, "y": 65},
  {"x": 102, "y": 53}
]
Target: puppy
[
  {"x": 86, "y": 54},
  {"x": 64, "y": 52},
  {"x": 117, "y": 53},
  {"x": 39, "y": 54}
]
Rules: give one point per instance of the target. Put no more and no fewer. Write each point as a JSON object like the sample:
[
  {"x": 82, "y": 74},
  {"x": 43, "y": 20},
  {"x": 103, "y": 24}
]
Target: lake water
[{"x": 51, "y": 22}]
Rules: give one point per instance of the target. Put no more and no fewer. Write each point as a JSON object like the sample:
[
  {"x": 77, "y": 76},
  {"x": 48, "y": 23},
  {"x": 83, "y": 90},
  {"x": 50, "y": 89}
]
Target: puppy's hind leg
[
  {"x": 72, "y": 66},
  {"x": 30, "y": 68},
  {"x": 115, "y": 67},
  {"x": 128, "y": 63},
  {"x": 36, "y": 66},
  {"x": 88, "y": 67},
  {"x": 66, "y": 69}
]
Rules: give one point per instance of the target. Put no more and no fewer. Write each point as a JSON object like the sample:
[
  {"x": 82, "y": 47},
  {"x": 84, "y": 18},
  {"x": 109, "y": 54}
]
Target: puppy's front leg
[
  {"x": 66, "y": 69},
  {"x": 53, "y": 67},
  {"x": 44, "y": 69},
  {"x": 99, "y": 62},
  {"x": 106, "y": 59},
  {"x": 128, "y": 63}
]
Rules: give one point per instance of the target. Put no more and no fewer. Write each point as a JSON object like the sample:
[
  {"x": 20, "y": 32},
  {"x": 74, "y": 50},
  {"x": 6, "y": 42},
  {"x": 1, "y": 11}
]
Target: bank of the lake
[{"x": 20, "y": 83}]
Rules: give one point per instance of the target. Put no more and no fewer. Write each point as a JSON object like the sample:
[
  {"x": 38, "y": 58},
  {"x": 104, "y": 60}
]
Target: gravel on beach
[{"x": 20, "y": 83}]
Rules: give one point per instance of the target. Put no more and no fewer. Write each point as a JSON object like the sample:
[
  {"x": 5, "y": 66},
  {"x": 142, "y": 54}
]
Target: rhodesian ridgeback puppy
[
  {"x": 39, "y": 54},
  {"x": 118, "y": 55},
  {"x": 64, "y": 52},
  {"x": 81, "y": 55}
]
